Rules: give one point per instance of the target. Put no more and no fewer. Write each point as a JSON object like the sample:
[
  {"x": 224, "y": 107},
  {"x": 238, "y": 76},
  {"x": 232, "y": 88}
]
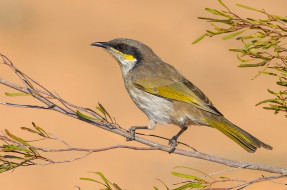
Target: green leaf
[
  {"x": 268, "y": 73},
  {"x": 284, "y": 70},
  {"x": 17, "y": 94},
  {"x": 243, "y": 60},
  {"x": 234, "y": 34},
  {"x": 195, "y": 170},
  {"x": 274, "y": 93},
  {"x": 253, "y": 65},
  {"x": 31, "y": 130},
  {"x": 89, "y": 179},
  {"x": 223, "y": 5},
  {"x": 104, "y": 178},
  {"x": 216, "y": 12},
  {"x": 105, "y": 111},
  {"x": 284, "y": 19},
  {"x": 186, "y": 176},
  {"x": 249, "y": 44},
  {"x": 244, "y": 37},
  {"x": 41, "y": 131},
  {"x": 10, "y": 147},
  {"x": 155, "y": 188},
  {"x": 85, "y": 116},
  {"x": 163, "y": 184},
  {"x": 281, "y": 83},
  {"x": 192, "y": 185},
  {"x": 249, "y": 8},
  {"x": 268, "y": 101},
  {"x": 13, "y": 157},
  {"x": 198, "y": 39},
  {"x": 116, "y": 186},
  {"x": 99, "y": 117},
  {"x": 236, "y": 50},
  {"x": 18, "y": 139},
  {"x": 216, "y": 20}
]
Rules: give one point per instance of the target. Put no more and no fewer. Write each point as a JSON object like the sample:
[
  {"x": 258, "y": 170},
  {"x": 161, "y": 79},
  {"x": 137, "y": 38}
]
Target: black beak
[{"x": 100, "y": 44}]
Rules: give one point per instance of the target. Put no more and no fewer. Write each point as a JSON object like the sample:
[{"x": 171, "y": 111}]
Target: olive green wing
[{"x": 178, "y": 91}]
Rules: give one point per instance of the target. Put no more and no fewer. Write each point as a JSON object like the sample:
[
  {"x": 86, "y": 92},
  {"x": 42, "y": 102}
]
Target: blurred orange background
[{"x": 49, "y": 41}]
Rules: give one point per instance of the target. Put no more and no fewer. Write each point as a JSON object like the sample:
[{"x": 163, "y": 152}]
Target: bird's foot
[
  {"x": 173, "y": 143},
  {"x": 132, "y": 130}
]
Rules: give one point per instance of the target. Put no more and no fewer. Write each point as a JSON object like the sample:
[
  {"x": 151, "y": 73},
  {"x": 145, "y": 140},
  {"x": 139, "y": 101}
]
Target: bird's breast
[{"x": 156, "y": 108}]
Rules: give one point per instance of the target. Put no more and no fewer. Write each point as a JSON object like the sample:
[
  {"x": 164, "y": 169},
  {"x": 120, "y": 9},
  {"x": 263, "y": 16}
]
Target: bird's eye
[{"x": 120, "y": 47}]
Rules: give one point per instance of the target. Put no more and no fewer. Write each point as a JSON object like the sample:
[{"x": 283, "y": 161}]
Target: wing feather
[{"x": 178, "y": 91}]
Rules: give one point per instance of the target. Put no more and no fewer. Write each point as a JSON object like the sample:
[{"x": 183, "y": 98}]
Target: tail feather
[{"x": 238, "y": 135}]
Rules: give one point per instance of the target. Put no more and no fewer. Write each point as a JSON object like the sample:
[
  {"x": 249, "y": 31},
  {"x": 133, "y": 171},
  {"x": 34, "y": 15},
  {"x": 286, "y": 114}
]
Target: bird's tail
[{"x": 238, "y": 135}]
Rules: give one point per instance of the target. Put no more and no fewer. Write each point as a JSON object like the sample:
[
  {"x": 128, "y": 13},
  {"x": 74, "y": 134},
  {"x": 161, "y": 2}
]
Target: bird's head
[{"x": 129, "y": 53}]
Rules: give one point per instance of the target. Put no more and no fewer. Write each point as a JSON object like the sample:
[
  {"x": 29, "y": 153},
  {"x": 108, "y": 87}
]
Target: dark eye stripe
[{"x": 130, "y": 50}]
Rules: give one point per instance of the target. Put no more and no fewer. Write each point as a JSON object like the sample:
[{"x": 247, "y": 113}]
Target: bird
[{"x": 167, "y": 97}]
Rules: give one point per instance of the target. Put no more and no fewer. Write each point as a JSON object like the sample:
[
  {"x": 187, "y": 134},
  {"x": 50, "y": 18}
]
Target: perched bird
[{"x": 167, "y": 97}]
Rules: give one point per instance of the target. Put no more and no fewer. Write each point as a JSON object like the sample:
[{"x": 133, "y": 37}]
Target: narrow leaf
[
  {"x": 18, "y": 139},
  {"x": 216, "y": 12},
  {"x": 234, "y": 34},
  {"x": 89, "y": 179},
  {"x": 116, "y": 186},
  {"x": 249, "y": 8},
  {"x": 186, "y": 176},
  {"x": 216, "y": 20},
  {"x": 269, "y": 73},
  {"x": 106, "y": 112},
  {"x": 85, "y": 116},
  {"x": 191, "y": 185},
  {"x": 267, "y": 101},
  {"x": 164, "y": 184},
  {"x": 103, "y": 112},
  {"x": 98, "y": 116},
  {"x": 42, "y": 131},
  {"x": 249, "y": 44},
  {"x": 274, "y": 93},
  {"x": 32, "y": 131},
  {"x": 223, "y": 5},
  {"x": 198, "y": 39},
  {"x": 17, "y": 94},
  {"x": 281, "y": 83},
  {"x": 242, "y": 60},
  {"x": 104, "y": 178},
  {"x": 284, "y": 70},
  {"x": 236, "y": 50},
  {"x": 253, "y": 65},
  {"x": 195, "y": 170}
]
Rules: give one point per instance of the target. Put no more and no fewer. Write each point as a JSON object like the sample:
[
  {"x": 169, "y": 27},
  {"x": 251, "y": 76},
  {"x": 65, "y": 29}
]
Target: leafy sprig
[{"x": 263, "y": 45}]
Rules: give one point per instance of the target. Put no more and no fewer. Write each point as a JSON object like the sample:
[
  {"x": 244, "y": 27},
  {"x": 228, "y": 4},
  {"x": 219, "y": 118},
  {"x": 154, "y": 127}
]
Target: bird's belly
[{"x": 156, "y": 108}]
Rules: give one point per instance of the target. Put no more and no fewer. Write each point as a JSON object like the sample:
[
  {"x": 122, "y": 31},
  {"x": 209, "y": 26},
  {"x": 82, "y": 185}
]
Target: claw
[
  {"x": 173, "y": 143},
  {"x": 132, "y": 131}
]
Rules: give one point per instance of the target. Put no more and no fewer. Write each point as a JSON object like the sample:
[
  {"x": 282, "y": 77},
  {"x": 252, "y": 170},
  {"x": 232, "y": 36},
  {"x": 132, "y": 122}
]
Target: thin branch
[
  {"x": 114, "y": 128},
  {"x": 24, "y": 106},
  {"x": 260, "y": 179}
]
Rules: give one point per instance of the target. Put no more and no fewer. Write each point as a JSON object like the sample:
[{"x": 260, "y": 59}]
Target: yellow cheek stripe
[{"x": 126, "y": 56}]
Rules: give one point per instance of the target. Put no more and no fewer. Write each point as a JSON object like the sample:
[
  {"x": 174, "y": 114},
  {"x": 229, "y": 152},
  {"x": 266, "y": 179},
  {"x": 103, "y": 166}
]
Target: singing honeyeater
[{"x": 167, "y": 97}]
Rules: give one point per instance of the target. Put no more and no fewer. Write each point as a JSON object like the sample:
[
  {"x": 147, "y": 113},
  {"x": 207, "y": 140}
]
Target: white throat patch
[
  {"x": 127, "y": 62},
  {"x": 127, "y": 65}
]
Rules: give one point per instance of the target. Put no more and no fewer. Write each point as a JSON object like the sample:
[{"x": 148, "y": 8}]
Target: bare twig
[
  {"x": 260, "y": 179},
  {"x": 114, "y": 128}
]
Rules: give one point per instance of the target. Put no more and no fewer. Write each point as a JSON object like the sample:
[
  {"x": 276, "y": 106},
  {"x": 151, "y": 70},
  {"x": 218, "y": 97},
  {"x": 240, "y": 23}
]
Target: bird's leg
[
  {"x": 173, "y": 141},
  {"x": 132, "y": 130}
]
